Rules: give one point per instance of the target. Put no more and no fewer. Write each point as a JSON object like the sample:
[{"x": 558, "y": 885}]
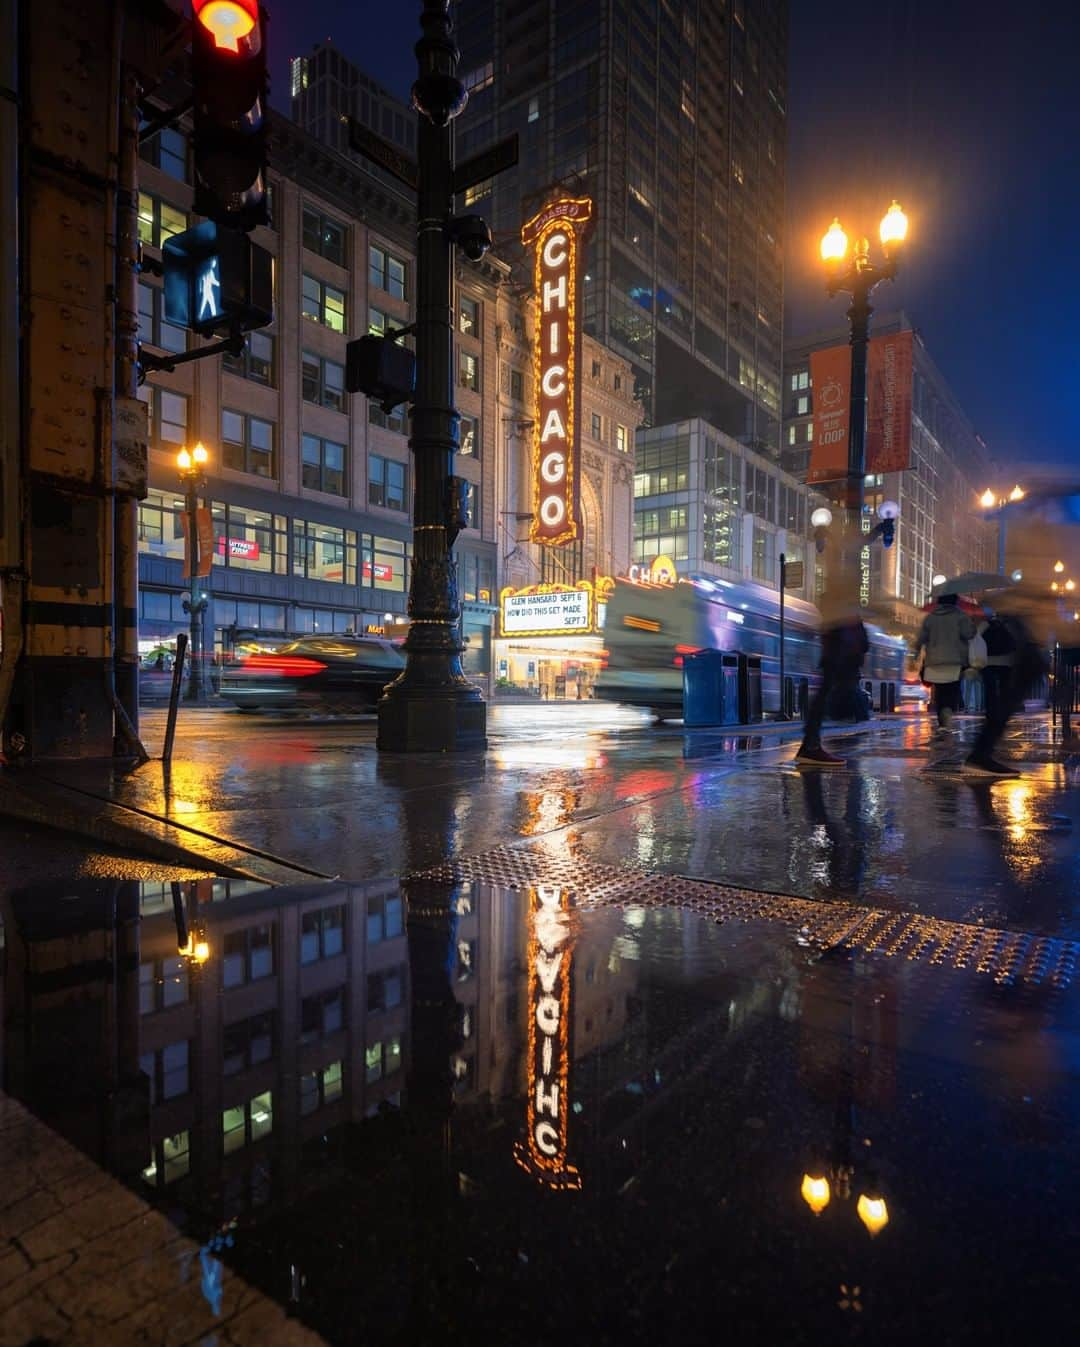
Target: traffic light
[
  {"x": 381, "y": 369},
  {"x": 217, "y": 280},
  {"x": 228, "y": 76}
]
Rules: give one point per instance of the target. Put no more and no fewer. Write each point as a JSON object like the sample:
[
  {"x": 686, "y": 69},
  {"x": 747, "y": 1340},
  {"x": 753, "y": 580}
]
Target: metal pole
[
  {"x": 1002, "y": 526},
  {"x": 784, "y": 712},
  {"x": 859, "y": 316},
  {"x": 431, "y": 706},
  {"x": 195, "y": 676},
  {"x": 174, "y": 697}
]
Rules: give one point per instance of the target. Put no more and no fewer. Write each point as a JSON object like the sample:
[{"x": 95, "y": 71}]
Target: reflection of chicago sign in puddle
[{"x": 543, "y": 1153}]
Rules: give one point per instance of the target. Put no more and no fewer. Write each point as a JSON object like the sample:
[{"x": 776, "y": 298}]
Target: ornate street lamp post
[
  {"x": 431, "y": 706},
  {"x": 191, "y": 466},
  {"x": 999, "y": 505},
  {"x": 858, "y": 278}
]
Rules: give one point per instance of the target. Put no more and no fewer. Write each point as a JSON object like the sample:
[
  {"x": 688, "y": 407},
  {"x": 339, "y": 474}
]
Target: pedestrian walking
[
  {"x": 943, "y": 641},
  {"x": 1027, "y": 663},
  {"x": 1000, "y": 657},
  {"x": 843, "y": 649}
]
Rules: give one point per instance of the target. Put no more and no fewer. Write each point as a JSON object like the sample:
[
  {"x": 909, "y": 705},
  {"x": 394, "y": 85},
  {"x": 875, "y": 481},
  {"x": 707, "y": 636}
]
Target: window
[
  {"x": 469, "y": 317},
  {"x": 517, "y": 385},
  {"x": 384, "y": 919},
  {"x": 167, "y": 1070},
  {"x": 255, "y": 361},
  {"x": 248, "y": 955},
  {"x": 247, "y": 444},
  {"x": 322, "y": 934},
  {"x": 318, "y": 1088},
  {"x": 597, "y": 427},
  {"x": 802, "y": 405},
  {"x": 168, "y": 415},
  {"x": 534, "y": 109},
  {"x": 618, "y": 383},
  {"x": 323, "y": 381},
  {"x": 480, "y": 78},
  {"x": 384, "y": 563},
  {"x": 472, "y": 505},
  {"x": 469, "y": 371},
  {"x": 469, "y": 432},
  {"x": 478, "y": 191},
  {"x": 153, "y": 329},
  {"x": 323, "y": 465},
  {"x": 386, "y": 272},
  {"x": 245, "y": 1123},
  {"x": 324, "y": 303},
  {"x": 596, "y": 369},
  {"x": 323, "y": 552},
  {"x": 324, "y": 236},
  {"x": 322, "y": 1014},
  {"x": 247, "y": 1043},
  {"x": 384, "y": 990},
  {"x": 386, "y": 482},
  {"x": 382, "y": 1059},
  {"x": 168, "y": 151},
  {"x": 163, "y": 983},
  {"x": 158, "y": 220},
  {"x": 170, "y": 1159},
  {"x": 620, "y": 439}
]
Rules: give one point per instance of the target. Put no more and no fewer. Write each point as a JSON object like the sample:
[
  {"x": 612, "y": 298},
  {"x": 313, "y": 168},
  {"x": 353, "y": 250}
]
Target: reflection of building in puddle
[{"x": 544, "y": 1151}]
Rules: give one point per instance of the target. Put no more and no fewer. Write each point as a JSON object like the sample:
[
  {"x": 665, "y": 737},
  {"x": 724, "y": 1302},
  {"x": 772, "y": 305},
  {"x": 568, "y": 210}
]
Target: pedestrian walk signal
[{"x": 217, "y": 280}]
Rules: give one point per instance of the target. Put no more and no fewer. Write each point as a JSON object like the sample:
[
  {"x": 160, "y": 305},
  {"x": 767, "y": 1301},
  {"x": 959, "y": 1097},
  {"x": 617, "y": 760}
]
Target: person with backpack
[
  {"x": 1026, "y": 664},
  {"x": 944, "y": 637}
]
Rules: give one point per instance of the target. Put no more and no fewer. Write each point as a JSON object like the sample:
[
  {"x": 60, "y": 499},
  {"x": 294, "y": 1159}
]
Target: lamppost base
[{"x": 433, "y": 720}]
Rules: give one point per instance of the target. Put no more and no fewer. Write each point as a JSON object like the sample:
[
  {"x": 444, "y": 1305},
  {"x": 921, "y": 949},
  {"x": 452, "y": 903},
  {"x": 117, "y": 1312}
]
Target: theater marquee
[{"x": 555, "y": 235}]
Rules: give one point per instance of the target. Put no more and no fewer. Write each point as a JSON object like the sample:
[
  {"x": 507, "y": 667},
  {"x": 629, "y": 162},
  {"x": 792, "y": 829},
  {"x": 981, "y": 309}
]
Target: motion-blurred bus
[{"x": 649, "y": 629}]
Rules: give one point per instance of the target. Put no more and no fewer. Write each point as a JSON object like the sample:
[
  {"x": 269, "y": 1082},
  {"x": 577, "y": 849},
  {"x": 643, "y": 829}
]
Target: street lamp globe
[
  {"x": 1017, "y": 493},
  {"x": 888, "y": 509},
  {"x": 1070, "y": 585},
  {"x": 893, "y": 229},
  {"x": 199, "y": 454},
  {"x": 821, "y": 518},
  {"x": 183, "y": 460},
  {"x": 1016, "y": 577},
  {"x": 1059, "y": 566},
  {"x": 815, "y": 1192},
  {"x": 988, "y": 500},
  {"x": 834, "y": 244},
  {"x": 873, "y": 1212},
  {"x": 938, "y": 580}
]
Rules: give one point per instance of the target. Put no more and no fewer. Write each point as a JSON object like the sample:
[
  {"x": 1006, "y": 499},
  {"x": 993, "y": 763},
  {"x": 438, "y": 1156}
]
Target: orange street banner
[
  {"x": 830, "y": 374},
  {"x": 888, "y": 412}
]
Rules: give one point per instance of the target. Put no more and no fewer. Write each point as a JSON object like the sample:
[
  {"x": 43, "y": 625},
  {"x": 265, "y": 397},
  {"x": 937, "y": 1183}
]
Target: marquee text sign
[
  {"x": 555, "y": 236},
  {"x": 547, "y": 611}
]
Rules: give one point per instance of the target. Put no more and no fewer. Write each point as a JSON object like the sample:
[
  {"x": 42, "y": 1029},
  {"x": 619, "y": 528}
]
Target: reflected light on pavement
[
  {"x": 573, "y": 757},
  {"x": 1018, "y": 797}
]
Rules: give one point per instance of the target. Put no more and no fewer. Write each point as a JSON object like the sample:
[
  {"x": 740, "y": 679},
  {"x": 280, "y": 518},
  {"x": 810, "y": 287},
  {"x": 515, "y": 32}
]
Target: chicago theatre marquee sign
[{"x": 555, "y": 235}]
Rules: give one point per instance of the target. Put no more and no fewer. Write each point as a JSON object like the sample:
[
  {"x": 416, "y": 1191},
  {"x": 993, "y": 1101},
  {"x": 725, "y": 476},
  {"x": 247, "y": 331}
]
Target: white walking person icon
[{"x": 209, "y": 282}]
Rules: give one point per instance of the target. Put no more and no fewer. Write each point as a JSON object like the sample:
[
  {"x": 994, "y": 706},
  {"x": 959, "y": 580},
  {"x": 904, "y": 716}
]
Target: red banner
[
  {"x": 888, "y": 414},
  {"x": 554, "y": 234},
  {"x": 888, "y": 407},
  {"x": 205, "y": 524},
  {"x": 830, "y": 375}
]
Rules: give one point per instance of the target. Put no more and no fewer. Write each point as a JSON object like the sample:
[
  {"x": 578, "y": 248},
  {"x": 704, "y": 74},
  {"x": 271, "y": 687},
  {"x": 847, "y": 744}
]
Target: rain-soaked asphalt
[{"x": 551, "y": 1091}]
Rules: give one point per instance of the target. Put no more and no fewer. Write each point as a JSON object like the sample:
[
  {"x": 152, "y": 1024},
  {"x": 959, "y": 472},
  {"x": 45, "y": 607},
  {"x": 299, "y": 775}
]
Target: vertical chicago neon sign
[
  {"x": 555, "y": 235},
  {"x": 544, "y": 1151}
]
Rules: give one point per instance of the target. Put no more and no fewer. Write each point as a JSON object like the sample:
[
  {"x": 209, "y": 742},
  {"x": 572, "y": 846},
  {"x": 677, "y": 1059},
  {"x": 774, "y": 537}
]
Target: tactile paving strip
[{"x": 1008, "y": 957}]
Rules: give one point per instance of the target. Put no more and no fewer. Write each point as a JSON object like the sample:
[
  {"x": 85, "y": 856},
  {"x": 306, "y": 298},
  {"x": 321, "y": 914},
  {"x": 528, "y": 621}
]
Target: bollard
[{"x": 174, "y": 696}]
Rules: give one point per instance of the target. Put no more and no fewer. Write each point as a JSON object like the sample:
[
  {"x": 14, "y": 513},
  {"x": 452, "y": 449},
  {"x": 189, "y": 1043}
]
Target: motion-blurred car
[{"x": 328, "y": 673}]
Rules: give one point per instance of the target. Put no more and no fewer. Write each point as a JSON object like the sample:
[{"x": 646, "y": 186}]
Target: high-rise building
[
  {"x": 326, "y": 89},
  {"x": 940, "y": 530},
  {"x": 671, "y": 117}
]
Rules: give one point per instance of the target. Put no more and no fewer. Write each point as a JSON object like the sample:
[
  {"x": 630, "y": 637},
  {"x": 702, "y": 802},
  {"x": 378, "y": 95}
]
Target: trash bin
[
  {"x": 749, "y": 689},
  {"x": 710, "y": 683}
]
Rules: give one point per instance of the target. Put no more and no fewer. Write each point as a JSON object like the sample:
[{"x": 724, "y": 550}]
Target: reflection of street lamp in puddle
[
  {"x": 871, "y": 1208},
  {"x": 1018, "y": 797}
]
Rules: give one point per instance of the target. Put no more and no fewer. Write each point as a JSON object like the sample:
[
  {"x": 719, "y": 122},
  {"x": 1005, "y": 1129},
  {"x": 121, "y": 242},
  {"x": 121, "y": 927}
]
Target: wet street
[{"x": 613, "y": 1034}]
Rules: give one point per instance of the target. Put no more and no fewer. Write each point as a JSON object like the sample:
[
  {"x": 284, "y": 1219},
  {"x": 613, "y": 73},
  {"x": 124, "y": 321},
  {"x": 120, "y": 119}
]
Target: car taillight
[
  {"x": 605, "y": 655},
  {"x": 681, "y": 650},
  {"x": 290, "y": 666}
]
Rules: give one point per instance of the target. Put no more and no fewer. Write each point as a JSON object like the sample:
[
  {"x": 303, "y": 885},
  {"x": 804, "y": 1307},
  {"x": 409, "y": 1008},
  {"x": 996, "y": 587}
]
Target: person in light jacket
[{"x": 944, "y": 638}]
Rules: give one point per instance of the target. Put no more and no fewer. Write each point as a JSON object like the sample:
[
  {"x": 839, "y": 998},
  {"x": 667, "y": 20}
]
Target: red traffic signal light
[
  {"x": 228, "y": 22},
  {"x": 228, "y": 76}
]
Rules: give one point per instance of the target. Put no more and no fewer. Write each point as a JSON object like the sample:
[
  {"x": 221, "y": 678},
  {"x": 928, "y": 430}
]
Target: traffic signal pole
[{"x": 431, "y": 706}]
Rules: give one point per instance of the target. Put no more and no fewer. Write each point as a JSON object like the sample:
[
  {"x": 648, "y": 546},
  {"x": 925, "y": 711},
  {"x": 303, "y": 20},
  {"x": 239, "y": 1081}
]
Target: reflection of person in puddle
[{"x": 843, "y": 864}]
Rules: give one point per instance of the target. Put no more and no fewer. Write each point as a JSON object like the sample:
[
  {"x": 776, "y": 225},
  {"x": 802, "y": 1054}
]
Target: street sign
[
  {"x": 382, "y": 152},
  {"x": 793, "y": 574},
  {"x": 487, "y": 163}
]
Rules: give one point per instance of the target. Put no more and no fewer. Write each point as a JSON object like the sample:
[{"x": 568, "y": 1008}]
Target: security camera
[{"x": 472, "y": 235}]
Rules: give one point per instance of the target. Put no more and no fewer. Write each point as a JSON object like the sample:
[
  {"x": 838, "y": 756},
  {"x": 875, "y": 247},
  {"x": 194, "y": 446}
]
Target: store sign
[
  {"x": 544, "y": 1150},
  {"x": 659, "y": 571},
  {"x": 374, "y": 629},
  {"x": 238, "y": 547},
  {"x": 547, "y": 610},
  {"x": 380, "y": 570},
  {"x": 555, "y": 235}
]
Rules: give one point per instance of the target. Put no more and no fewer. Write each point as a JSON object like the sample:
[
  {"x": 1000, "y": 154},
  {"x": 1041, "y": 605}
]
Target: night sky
[{"x": 967, "y": 113}]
